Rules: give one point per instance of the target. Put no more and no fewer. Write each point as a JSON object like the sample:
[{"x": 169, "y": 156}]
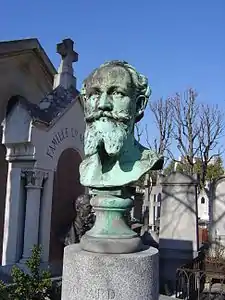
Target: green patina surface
[
  {"x": 115, "y": 96},
  {"x": 110, "y": 217}
]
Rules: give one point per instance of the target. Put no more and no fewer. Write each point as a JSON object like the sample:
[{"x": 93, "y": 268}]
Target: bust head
[{"x": 115, "y": 96}]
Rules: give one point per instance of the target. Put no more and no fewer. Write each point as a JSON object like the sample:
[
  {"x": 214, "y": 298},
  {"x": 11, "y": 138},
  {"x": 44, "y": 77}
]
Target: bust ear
[{"x": 141, "y": 103}]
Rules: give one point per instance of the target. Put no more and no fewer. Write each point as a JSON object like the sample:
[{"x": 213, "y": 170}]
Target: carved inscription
[
  {"x": 99, "y": 294},
  {"x": 105, "y": 294},
  {"x": 59, "y": 137}
]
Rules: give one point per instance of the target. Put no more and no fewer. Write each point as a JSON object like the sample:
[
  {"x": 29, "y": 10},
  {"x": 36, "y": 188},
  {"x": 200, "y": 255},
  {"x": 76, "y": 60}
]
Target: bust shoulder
[{"x": 131, "y": 165}]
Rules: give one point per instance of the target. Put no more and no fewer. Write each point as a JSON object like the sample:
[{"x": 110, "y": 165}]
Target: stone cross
[{"x": 65, "y": 76}]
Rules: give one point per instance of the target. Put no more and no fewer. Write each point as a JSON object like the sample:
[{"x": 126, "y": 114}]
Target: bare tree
[
  {"x": 211, "y": 130},
  {"x": 196, "y": 130},
  {"x": 162, "y": 112},
  {"x": 186, "y": 127}
]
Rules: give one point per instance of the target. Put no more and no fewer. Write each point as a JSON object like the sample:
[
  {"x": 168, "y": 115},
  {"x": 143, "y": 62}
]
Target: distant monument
[
  {"x": 83, "y": 221},
  {"x": 115, "y": 96}
]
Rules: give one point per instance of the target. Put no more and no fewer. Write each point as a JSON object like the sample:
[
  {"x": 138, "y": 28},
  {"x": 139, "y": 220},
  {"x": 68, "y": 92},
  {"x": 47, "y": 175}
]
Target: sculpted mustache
[{"x": 118, "y": 117}]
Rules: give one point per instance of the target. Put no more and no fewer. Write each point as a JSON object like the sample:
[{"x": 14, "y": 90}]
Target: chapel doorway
[{"x": 66, "y": 189}]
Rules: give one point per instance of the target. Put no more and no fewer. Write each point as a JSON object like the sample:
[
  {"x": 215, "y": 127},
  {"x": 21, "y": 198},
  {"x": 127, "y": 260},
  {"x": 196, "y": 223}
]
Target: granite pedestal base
[{"x": 93, "y": 276}]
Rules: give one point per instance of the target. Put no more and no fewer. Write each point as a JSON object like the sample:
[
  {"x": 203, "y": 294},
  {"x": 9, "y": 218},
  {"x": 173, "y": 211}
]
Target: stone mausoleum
[{"x": 42, "y": 146}]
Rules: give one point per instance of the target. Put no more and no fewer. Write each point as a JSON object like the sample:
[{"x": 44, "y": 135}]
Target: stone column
[
  {"x": 151, "y": 212},
  {"x": 156, "y": 208},
  {"x": 45, "y": 216},
  {"x": 34, "y": 180},
  {"x": 145, "y": 206},
  {"x": 14, "y": 215}
]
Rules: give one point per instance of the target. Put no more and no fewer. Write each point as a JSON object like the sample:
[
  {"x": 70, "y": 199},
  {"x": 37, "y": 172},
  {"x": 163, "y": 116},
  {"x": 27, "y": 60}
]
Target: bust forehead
[{"x": 109, "y": 75}]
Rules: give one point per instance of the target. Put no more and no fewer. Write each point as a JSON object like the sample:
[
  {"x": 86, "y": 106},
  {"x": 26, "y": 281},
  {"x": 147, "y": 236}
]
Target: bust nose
[{"x": 104, "y": 102}]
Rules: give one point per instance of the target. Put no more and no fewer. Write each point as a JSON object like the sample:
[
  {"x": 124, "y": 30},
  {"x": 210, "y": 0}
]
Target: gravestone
[
  {"x": 111, "y": 262},
  {"x": 178, "y": 235},
  {"x": 217, "y": 212}
]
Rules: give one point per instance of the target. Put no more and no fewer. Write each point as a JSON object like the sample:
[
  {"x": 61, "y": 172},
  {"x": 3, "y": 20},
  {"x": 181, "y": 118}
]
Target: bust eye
[
  {"x": 94, "y": 93},
  {"x": 117, "y": 93}
]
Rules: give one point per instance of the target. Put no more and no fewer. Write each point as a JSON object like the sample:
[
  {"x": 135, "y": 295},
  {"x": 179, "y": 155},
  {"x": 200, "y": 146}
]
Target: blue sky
[{"x": 178, "y": 44}]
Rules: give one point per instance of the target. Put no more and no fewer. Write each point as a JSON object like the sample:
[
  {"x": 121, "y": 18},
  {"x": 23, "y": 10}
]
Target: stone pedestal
[
  {"x": 91, "y": 276},
  {"x": 110, "y": 233}
]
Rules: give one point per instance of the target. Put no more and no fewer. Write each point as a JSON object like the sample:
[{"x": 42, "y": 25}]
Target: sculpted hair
[{"x": 140, "y": 81}]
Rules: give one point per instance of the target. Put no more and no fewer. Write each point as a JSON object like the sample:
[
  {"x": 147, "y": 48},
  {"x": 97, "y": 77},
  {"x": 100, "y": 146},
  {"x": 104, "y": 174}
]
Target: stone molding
[{"x": 22, "y": 151}]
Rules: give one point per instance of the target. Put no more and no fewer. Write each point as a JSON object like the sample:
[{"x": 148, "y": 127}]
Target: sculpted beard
[{"x": 107, "y": 132}]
